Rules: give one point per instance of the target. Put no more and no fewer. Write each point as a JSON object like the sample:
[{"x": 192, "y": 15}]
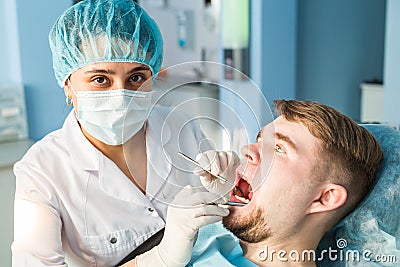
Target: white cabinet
[
  {"x": 9, "y": 154},
  {"x": 13, "y": 123},
  {"x": 371, "y": 103}
]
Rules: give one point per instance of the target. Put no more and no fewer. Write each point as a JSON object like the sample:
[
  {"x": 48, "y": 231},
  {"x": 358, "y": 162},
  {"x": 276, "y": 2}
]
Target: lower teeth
[{"x": 244, "y": 200}]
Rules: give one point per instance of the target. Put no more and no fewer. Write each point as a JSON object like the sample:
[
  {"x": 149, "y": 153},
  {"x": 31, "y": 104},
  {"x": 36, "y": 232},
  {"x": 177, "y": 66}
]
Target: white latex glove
[
  {"x": 223, "y": 163},
  {"x": 191, "y": 209}
]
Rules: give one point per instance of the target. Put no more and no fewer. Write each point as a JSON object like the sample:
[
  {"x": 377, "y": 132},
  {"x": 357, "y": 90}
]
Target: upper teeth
[{"x": 237, "y": 191}]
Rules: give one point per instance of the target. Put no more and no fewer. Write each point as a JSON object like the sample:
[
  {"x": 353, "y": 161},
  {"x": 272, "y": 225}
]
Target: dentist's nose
[
  {"x": 251, "y": 153},
  {"x": 118, "y": 84}
]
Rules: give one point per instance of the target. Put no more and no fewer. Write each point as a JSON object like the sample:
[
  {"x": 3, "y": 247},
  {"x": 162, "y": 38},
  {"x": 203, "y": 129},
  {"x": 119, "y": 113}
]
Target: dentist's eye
[
  {"x": 279, "y": 149},
  {"x": 137, "y": 78},
  {"x": 100, "y": 80}
]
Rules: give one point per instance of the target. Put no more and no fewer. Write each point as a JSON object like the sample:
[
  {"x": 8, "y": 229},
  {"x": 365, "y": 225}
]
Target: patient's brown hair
[{"x": 350, "y": 155}]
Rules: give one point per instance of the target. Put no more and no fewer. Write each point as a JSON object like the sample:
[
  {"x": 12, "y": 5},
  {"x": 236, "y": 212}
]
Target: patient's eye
[{"x": 279, "y": 149}]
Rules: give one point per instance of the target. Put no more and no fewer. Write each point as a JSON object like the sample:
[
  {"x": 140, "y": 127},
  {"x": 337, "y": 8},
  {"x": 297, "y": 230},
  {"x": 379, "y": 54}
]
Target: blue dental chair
[{"x": 370, "y": 235}]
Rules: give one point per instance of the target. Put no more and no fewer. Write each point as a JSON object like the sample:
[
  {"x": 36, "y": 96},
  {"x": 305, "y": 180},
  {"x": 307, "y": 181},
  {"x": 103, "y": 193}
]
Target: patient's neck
[{"x": 296, "y": 252}]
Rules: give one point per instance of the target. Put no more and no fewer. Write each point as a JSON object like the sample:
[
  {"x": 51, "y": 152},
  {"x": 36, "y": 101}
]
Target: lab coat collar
[
  {"x": 116, "y": 184},
  {"x": 157, "y": 136},
  {"x": 85, "y": 155}
]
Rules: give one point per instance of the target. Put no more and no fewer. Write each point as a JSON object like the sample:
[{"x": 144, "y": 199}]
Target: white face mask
[{"x": 113, "y": 116}]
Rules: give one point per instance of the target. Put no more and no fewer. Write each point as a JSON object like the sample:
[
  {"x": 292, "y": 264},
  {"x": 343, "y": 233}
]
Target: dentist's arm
[
  {"x": 37, "y": 222},
  {"x": 222, "y": 163},
  {"x": 191, "y": 209}
]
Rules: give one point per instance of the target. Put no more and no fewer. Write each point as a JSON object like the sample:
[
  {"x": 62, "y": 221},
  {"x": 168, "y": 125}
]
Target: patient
[{"x": 307, "y": 170}]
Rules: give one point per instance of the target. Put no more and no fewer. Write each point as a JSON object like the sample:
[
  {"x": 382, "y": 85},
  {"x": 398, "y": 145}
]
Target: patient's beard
[{"x": 251, "y": 228}]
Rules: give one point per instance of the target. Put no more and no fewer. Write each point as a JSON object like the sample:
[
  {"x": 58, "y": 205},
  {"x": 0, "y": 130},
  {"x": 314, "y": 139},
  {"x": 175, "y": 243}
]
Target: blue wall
[
  {"x": 45, "y": 100},
  {"x": 278, "y": 49},
  {"x": 10, "y": 69},
  {"x": 340, "y": 45}
]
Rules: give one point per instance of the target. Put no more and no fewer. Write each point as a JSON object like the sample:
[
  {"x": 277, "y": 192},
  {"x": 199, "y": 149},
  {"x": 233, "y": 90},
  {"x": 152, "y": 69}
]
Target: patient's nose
[{"x": 251, "y": 153}]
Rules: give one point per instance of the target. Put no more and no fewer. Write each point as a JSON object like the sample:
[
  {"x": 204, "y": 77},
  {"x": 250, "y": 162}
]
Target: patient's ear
[{"x": 331, "y": 197}]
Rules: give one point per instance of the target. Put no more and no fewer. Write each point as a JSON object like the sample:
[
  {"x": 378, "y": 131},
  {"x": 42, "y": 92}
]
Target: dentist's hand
[
  {"x": 222, "y": 163},
  {"x": 191, "y": 209}
]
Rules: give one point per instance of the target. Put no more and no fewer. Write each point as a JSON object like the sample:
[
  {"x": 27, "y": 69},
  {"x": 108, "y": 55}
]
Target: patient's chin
[{"x": 251, "y": 227}]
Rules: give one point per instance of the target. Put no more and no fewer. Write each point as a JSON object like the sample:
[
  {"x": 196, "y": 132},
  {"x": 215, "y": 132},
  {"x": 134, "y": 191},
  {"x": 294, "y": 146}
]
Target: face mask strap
[
  {"x": 68, "y": 99},
  {"x": 72, "y": 88}
]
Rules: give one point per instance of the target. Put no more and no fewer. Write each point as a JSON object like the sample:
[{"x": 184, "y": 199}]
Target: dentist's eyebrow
[
  {"x": 99, "y": 71},
  {"x": 139, "y": 68},
  {"x": 105, "y": 71},
  {"x": 285, "y": 139}
]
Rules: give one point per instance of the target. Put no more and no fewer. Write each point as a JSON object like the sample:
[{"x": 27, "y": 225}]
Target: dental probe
[
  {"x": 198, "y": 165},
  {"x": 229, "y": 203},
  {"x": 233, "y": 203}
]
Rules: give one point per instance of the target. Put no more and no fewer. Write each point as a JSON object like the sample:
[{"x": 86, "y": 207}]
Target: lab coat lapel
[
  {"x": 85, "y": 155},
  {"x": 111, "y": 179},
  {"x": 159, "y": 165},
  {"x": 115, "y": 183}
]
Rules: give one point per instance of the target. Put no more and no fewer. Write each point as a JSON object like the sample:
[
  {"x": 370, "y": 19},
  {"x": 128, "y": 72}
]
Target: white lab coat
[{"x": 74, "y": 206}]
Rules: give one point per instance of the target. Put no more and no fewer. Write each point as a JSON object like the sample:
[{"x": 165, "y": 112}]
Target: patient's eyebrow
[
  {"x": 286, "y": 139},
  {"x": 259, "y": 135}
]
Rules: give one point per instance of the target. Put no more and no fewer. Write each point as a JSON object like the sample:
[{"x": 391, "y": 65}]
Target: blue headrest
[{"x": 373, "y": 228}]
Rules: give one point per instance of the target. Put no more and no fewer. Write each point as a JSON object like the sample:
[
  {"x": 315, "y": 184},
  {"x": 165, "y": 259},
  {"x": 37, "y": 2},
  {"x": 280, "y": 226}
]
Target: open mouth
[{"x": 242, "y": 192}]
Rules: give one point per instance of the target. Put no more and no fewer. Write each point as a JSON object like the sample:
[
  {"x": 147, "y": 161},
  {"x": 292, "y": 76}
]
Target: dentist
[{"x": 93, "y": 191}]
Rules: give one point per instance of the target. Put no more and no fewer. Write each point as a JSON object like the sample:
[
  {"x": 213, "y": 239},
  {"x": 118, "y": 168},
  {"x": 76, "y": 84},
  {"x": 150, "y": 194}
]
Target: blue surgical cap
[{"x": 104, "y": 31}]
